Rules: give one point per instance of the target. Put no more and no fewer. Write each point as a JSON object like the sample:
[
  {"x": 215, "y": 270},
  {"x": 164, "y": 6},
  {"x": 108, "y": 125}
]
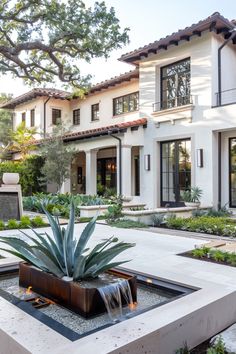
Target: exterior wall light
[
  {"x": 147, "y": 165},
  {"x": 199, "y": 157}
]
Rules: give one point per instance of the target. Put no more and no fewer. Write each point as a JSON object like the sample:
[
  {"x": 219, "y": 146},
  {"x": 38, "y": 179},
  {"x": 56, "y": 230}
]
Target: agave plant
[{"x": 63, "y": 254}]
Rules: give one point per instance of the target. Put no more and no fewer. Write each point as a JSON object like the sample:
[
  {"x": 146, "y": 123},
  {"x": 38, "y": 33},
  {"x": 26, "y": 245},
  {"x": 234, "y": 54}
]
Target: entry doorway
[{"x": 175, "y": 171}]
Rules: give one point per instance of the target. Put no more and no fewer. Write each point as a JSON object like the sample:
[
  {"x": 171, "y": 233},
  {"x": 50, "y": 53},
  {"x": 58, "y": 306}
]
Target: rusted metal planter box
[{"x": 85, "y": 301}]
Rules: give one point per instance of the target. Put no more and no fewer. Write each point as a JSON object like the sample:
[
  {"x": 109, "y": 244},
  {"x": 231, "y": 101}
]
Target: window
[
  {"x": 32, "y": 118},
  {"x": 23, "y": 117},
  {"x": 175, "y": 171},
  {"x": 76, "y": 116},
  {"x": 124, "y": 104},
  {"x": 175, "y": 84},
  {"x": 232, "y": 172},
  {"x": 56, "y": 116},
  {"x": 95, "y": 112}
]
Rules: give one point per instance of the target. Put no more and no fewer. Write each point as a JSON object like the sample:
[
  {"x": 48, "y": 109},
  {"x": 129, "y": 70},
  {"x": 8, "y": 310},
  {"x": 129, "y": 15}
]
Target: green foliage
[
  {"x": 218, "y": 347},
  {"x": 183, "y": 350},
  {"x": 29, "y": 171},
  {"x": 175, "y": 223},
  {"x": 128, "y": 224},
  {"x": 201, "y": 252},
  {"x": 2, "y": 225},
  {"x": 207, "y": 224},
  {"x": 37, "y": 221},
  {"x": 64, "y": 254},
  {"x": 12, "y": 224},
  {"x": 60, "y": 203},
  {"x": 217, "y": 255},
  {"x": 114, "y": 212},
  {"x": 21, "y": 140},
  {"x": 57, "y": 156},
  {"x": 157, "y": 219},
  {"x": 45, "y": 40},
  {"x": 192, "y": 195},
  {"x": 5, "y": 127},
  {"x": 25, "y": 222}
]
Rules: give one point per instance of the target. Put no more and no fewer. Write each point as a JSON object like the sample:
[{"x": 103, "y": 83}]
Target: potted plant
[
  {"x": 191, "y": 197},
  {"x": 54, "y": 265}
]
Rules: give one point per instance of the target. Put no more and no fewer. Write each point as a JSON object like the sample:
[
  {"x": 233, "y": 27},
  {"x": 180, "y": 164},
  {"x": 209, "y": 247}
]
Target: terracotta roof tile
[{"x": 216, "y": 18}]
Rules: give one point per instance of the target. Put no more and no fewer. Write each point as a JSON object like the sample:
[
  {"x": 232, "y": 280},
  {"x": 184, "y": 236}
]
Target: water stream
[{"x": 112, "y": 295}]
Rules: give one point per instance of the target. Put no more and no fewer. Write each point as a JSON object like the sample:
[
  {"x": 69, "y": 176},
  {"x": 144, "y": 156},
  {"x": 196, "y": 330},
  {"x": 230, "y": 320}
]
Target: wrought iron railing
[
  {"x": 225, "y": 97},
  {"x": 177, "y": 101}
]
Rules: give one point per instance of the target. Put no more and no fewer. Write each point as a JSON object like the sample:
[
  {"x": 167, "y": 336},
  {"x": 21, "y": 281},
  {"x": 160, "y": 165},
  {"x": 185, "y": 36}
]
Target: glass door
[
  {"x": 175, "y": 171},
  {"x": 232, "y": 172}
]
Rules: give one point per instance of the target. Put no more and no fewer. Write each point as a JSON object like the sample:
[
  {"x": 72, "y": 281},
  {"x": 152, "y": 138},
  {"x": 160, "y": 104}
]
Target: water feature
[
  {"x": 112, "y": 295},
  {"x": 151, "y": 293}
]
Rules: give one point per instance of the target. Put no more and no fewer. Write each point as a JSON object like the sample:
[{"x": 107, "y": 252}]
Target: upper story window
[
  {"x": 95, "y": 112},
  {"x": 125, "y": 104},
  {"x": 23, "y": 115},
  {"x": 32, "y": 117},
  {"x": 175, "y": 84},
  {"x": 76, "y": 116},
  {"x": 56, "y": 116}
]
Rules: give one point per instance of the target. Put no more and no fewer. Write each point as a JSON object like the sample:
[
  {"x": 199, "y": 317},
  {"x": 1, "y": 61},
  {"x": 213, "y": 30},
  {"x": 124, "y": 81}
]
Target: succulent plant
[{"x": 65, "y": 255}]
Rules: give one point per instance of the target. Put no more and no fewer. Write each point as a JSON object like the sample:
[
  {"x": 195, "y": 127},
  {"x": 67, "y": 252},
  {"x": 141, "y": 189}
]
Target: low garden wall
[
  {"x": 145, "y": 216},
  {"x": 98, "y": 210}
]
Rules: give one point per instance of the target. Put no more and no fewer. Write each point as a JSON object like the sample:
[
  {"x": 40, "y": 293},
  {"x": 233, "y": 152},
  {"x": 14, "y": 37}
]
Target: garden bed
[
  {"x": 212, "y": 255},
  {"x": 24, "y": 223},
  {"x": 219, "y": 226}
]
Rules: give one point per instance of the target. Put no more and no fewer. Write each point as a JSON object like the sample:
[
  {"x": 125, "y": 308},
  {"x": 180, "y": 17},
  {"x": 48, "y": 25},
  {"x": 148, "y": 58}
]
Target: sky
[{"x": 148, "y": 20}]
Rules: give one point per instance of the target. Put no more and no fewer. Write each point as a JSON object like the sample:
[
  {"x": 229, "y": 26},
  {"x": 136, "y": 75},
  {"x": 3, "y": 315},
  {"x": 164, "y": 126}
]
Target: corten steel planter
[{"x": 85, "y": 301}]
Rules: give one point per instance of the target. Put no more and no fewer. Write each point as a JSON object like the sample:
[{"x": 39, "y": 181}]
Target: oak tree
[{"x": 41, "y": 40}]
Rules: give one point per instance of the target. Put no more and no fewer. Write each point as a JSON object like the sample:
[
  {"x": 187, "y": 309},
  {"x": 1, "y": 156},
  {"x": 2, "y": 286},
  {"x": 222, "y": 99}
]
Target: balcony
[
  {"x": 173, "y": 109},
  {"x": 172, "y": 103},
  {"x": 225, "y": 98}
]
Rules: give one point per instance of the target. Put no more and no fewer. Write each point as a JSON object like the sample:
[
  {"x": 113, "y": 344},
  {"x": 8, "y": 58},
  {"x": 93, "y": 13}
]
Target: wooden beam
[
  {"x": 162, "y": 46},
  {"x": 185, "y": 38},
  {"x": 197, "y": 33},
  {"x": 174, "y": 42},
  {"x": 213, "y": 27}
]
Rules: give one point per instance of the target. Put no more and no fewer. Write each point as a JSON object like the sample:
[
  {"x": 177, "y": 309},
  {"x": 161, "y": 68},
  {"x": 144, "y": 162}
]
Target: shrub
[
  {"x": 128, "y": 224},
  {"x": 24, "y": 222},
  {"x": 218, "y": 347},
  {"x": 29, "y": 171},
  {"x": 157, "y": 219},
  {"x": 12, "y": 224},
  {"x": 217, "y": 255},
  {"x": 2, "y": 225},
  {"x": 175, "y": 223},
  {"x": 37, "y": 221}
]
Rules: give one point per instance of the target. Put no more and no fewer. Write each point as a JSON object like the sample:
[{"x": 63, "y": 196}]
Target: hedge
[{"x": 29, "y": 171}]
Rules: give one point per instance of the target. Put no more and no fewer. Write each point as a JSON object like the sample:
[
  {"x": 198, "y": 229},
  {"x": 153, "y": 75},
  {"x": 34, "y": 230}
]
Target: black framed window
[
  {"x": 125, "y": 104},
  {"x": 232, "y": 172},
  {"x": 23, "y": 116},
  {"x": 56, "y": 116},
  {"x": 175, "y": 171},
  {"x": 76, "y": 116},
  {"x": 32, "y": 117},
  {"x": 175, "y": 84},
  {"x": 95, "y": 112}
]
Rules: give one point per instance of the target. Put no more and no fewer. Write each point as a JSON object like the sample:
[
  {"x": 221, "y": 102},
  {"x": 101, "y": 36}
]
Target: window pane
[
  {"x": 175, "y": 84},
  {"x": 56, "y": 116},
  {"x": 124, "y": 104}
]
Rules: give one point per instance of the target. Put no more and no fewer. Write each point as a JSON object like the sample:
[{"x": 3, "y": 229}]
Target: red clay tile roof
[
  {"x": 132, "y": 74},
  {"x": 215, "y": 22},
  {"x": 63, "y": 95},
  {"x": 115, "y": 128},
  {"x": 36, "y": 92}
]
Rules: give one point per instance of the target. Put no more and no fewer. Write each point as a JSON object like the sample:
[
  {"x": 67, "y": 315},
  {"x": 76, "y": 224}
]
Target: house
[{"x": 157, "y": 130}]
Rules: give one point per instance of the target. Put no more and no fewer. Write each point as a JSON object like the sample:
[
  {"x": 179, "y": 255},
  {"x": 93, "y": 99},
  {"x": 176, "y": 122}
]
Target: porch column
[
  {"x": 126, "y": 168},
  {"x": 91, "y": 172}
]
